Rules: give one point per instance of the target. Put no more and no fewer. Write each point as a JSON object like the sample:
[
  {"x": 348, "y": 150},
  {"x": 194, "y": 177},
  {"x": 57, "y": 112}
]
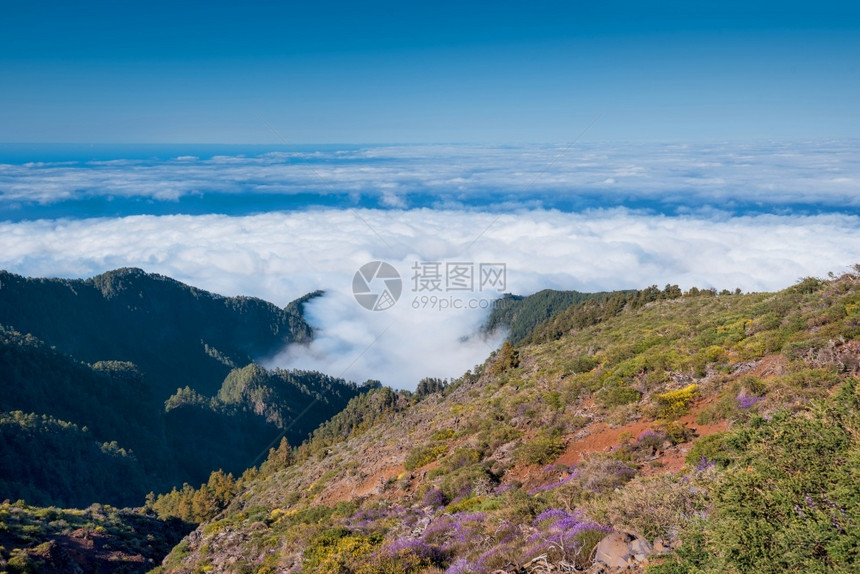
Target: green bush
[
  {"x": 462, "y": 456},
  {"x": 789, "y": 501},
  {"x": 618, "y": 394},
  {"x": 467, "y": 479},
  {"x": 442, "y": 434},
  {"x": 553, "y": 399},
  {"x": 583, "y": 364},
  {"x": 711, "y": 448},
  {"x": 676, "y": 432},
  {"x": 544, "y": 448},
  {"x": 507, "y": 358}
]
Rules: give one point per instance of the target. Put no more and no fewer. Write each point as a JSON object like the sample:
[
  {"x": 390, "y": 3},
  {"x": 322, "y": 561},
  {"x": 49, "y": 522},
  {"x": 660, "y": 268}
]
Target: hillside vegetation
[
  {"x": 717, "y": 431},
  {"x": 100, "y": 538}
]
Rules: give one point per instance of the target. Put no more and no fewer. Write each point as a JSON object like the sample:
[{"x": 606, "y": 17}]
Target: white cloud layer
[
  {"x": 690, "y": 177},
  {"x": 281, "y": 256}
]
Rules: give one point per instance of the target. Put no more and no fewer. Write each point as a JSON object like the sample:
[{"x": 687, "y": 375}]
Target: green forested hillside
[
  {"x": 232, "y": 429},
  {"x": 128, "y": 383},
  {"x": 99, "y": 539},
  {"x": 151, "y": 321},
  {"x": 44, "y": 459}
]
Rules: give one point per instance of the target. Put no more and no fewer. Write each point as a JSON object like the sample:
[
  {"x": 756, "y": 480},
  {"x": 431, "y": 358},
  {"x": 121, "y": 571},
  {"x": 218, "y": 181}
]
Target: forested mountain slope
[
  {"x": 696, "y": 432},
  {"x": 151, "y": 321},
  {"x": 129, "y": 382}
]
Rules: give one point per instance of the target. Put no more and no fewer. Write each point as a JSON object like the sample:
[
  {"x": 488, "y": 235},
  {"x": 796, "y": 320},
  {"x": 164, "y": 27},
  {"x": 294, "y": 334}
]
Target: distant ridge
[{"x": 522, "y": 314}]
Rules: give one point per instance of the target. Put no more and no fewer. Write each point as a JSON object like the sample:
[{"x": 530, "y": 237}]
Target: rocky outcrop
[{"x": 622, "y": 551}]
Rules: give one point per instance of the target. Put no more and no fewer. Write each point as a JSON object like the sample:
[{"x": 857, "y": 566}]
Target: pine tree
[{"x": 508, "y": 358}]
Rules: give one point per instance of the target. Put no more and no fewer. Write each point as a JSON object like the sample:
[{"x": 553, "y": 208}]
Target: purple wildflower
[
  {"x": 461, "y": 566},
  {"x": 747, "y": 401},
  {"x": 646, "y": 434},
  {"x": 503, "y": 488},
  {"x": 551, "y": 514},
  {"x": 435, "y": 498},
  {"x": 559, "y": 531},
  {"x": 428, "y": 552},
  {"x": 572, "y": 473}
]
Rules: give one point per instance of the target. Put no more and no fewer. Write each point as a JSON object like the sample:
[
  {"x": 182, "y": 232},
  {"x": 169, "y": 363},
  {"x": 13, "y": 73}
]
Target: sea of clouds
[
  {"x": 757, "y": 217},
  {"x": 281, "y": 256}
]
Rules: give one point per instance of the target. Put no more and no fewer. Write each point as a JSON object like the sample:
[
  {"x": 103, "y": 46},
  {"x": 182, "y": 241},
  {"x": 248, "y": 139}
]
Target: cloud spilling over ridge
[
  {"x": 281, "y": 256},
  {"x": 669, "y": 178}
]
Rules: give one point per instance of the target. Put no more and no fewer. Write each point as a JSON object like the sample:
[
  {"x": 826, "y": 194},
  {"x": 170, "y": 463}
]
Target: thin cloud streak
[{"x": 679, "y": 178}]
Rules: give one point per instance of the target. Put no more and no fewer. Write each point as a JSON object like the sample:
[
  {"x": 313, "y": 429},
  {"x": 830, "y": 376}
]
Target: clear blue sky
[{"x": 433, "y": 71}]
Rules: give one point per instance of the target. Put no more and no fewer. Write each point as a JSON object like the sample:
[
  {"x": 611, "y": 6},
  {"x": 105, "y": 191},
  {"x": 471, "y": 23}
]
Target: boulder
[{"x": 619, "y": 550}]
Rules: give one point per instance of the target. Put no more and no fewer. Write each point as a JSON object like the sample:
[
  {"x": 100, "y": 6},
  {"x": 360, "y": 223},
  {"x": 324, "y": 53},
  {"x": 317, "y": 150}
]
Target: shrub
[
  {"x": 652, "y": 507},
  {"x": 593, "y": 476},
  {"x": 677, "y": 433},
  {"x": 463, "y": 456},
  {"x": 542, "y": 449},
  {"x": 673, "y": 404},
  {"x": 424, "y": 454},
  {"x": 404, "y": 556},
  {"x": 465, "y": 504},
  {"x": 442, "y": 434},
  {"x": 789, "y": 501},
  {"x": 808, "y": 285},
  {"x": 337, "y": 550},
  {"x": 583, "y": 364},
  {"x": 711, "y": 448},
  {"x": 462, "y": 482},
  {"x": 435, "y": 497},
  {"x": 617, "y": 394},
  {"x": 507, "y": 358},
  {"x": 553, "y": 399},
  {"x": 599, "y": 473},
  {"x": 497, "y": 435},
  {"x": 650, "y": 440}
]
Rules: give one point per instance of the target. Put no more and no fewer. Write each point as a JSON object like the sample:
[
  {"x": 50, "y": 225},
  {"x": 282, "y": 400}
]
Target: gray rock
[{"x": 641, "y": 549}]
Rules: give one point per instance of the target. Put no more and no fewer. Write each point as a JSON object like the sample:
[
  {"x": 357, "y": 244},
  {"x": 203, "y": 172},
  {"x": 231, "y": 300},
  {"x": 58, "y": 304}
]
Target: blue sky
[{"x": 407, "y": 72}]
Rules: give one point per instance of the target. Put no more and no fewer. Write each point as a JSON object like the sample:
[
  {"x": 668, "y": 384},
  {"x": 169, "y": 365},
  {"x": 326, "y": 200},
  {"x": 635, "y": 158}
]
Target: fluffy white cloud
[{"x": 281, "y": 256}]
